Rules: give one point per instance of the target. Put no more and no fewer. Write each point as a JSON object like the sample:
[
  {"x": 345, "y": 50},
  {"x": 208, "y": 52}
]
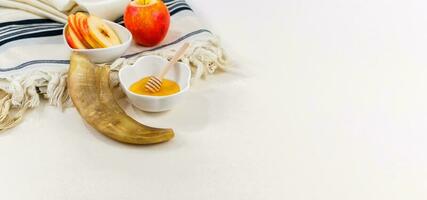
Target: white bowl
[
  {"x": 104, "y": 55},
  {"x": 148, "y": 66}
]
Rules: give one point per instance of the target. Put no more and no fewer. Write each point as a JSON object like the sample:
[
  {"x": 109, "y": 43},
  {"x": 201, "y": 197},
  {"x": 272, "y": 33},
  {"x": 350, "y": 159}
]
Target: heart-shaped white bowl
[
  {"x": 148, "y": 66},
  {"x": 105, "y": 55}
]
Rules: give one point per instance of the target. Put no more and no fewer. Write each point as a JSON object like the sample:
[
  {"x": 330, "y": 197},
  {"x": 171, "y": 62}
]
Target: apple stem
[{"x": 143, "y": 2}]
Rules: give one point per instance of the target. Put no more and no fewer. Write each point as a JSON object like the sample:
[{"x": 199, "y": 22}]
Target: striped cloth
[{"x": 34, "y": 59}]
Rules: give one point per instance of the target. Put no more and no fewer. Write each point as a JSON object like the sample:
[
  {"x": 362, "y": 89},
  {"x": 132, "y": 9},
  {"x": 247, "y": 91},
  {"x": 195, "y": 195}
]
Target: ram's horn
[{"x": 88, "y": 86}]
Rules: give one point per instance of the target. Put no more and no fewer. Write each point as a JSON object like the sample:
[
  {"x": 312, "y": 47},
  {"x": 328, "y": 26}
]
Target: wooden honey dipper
[{"x": 155, "y": 83}]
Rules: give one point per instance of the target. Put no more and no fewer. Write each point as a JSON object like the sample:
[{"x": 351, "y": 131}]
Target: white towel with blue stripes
[{"x": 34, "y": 59}]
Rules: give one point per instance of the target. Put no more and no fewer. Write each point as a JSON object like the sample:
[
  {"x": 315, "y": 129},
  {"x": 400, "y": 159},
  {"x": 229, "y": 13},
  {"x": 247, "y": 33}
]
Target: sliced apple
[
  {"x": 69, "y": 40},
  {"x": 81, "y": 20},
  {"x": 101, "y": 32},
  {"x": 73, "y": 40},
  {"x": 72, "y": 23}
]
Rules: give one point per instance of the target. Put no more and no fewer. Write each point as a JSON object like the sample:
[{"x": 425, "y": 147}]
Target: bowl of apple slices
[{"x": 100, "y": 40}]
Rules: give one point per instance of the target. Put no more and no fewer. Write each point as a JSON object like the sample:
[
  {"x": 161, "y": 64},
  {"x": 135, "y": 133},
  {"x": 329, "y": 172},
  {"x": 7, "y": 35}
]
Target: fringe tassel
[{"x": 19, "y": 93}]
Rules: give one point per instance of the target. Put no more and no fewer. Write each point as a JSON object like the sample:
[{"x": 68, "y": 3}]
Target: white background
[{"x": 327, "y": 100}]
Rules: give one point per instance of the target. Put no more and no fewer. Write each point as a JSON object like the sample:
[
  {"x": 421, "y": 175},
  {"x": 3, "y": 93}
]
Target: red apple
[{"x": 148, "y": 21}]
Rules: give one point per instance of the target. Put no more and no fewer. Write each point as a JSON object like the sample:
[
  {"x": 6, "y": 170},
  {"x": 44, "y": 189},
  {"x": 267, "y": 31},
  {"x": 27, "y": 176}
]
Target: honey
[{"x": 168, "y": 87}]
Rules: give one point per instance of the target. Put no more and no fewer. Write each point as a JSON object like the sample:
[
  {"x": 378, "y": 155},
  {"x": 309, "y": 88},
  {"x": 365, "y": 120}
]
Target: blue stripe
[
  {"x": 119, "y": 19},
  {"x": 173, "y": 12},
  {"x": 28, "y": 25},
  {"x": 28, "y": 21},
  {"x": 174, "y": 2},
  {"x": 28, "y": 28},
  {"x": 169, "y": 1},
  {"x": 28, "y": 32},
  {"x": 178, "y": 4},
  {"x": 33, "y": 62},
  {"x": 33, "y": 35}
]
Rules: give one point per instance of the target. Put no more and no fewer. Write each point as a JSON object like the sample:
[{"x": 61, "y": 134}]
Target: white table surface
[{"x": 327, "y": 100}]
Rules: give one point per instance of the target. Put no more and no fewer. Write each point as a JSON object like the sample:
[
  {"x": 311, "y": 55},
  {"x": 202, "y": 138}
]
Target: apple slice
[
  {"x": 73, "y": 40},
  {"x": 72, "y": 23},
  {"x": 101, "y": 32},
  {"x": 69, "y": 40},
  {"x": 81, "y": 20}
]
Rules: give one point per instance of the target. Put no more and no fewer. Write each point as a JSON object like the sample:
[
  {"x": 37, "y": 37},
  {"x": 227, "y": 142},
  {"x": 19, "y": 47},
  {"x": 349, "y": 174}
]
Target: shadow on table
[{"x": 190, "y": 116}]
